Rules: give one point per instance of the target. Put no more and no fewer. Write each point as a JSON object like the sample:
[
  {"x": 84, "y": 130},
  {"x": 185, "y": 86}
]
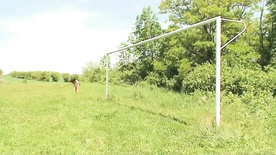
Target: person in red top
[{"x": 76, "y": 84}]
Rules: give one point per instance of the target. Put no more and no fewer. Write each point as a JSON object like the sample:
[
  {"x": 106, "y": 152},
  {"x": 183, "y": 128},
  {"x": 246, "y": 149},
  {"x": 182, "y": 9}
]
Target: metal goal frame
[{"x": 218, "y": 21}]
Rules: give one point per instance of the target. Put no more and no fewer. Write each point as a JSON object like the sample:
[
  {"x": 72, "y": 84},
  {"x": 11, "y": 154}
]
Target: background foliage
[
  {"x": 45, "y": 76},
  {"x": 185, "y": 62}
]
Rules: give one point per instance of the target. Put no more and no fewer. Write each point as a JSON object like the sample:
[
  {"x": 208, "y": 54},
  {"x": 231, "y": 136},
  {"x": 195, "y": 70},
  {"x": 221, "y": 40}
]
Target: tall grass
[{"x": 50, "y": 118}]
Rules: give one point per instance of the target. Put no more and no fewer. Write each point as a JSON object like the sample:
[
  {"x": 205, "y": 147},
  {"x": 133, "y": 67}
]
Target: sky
[{"x": 64, "y": 35}]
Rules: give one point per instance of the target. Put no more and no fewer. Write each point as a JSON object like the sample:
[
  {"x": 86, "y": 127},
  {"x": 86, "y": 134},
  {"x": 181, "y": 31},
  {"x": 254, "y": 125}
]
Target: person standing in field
[{"x": 76, "y": 84}]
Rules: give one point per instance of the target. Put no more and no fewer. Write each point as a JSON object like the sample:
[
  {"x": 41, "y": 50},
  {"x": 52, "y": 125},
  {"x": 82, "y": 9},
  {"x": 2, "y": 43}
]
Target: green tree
[
  {"x": 199, "y": 43},
  {"x": 45, "y": 76},
  {"x": 146, "y": 27},
  {"x": 189, "y": 49},
  {"x": 55, "y": 76},
  {"x": 91, "y": 71},
  {"x": 66, "y": 77},
  {"x": 268, "y": 35},
  {"x": 169, "y": 61}
]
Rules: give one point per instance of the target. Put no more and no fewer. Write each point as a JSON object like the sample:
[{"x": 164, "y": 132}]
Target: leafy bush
[
  {"x": 236, "y": 80},
  {"x": 239, "y": 54},
  {"x": 115, "y": 77},
  {"x": 46, "y": 76},
  {"x": 35, "y": 76},
  {"x": 66, "y": 77},
  {"x": 155, "y": 79},
  {"x": 55, "y": 76},
  {"x": 201, "y": 78},
  {"x": 240, "y": 80},
  {"x": 1, "y": 71},
  {"x": 93, "y": 72},
  {"x": 130, "y": 76}
]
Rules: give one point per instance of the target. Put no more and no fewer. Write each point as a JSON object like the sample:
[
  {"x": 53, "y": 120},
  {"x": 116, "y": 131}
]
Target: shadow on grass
[
  {"x": 153, "y": 113},
  {"x": 160, "y": 114}
]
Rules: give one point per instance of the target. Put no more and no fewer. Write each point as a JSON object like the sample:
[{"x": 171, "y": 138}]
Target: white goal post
[{"x": 218, "y": 53}]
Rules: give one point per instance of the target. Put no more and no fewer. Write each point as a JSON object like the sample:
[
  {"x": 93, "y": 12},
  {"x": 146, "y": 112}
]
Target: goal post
[
  {"x": 218, "y": 67},
  {"x": 218, "y": 21}
]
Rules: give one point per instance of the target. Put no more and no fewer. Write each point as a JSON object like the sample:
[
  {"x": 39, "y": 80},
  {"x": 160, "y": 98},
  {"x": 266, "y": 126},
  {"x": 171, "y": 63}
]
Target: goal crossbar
[
  {"x": 167, "y": 34},
  {"x": 218, "y": 54}
]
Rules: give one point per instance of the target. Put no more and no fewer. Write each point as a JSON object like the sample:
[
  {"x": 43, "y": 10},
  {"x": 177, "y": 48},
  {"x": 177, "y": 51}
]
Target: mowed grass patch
[{"x": 50, "y": 118}]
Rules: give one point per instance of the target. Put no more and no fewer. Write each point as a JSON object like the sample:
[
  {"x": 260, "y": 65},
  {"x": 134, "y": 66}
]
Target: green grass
[{"x": 49, "y": 118}]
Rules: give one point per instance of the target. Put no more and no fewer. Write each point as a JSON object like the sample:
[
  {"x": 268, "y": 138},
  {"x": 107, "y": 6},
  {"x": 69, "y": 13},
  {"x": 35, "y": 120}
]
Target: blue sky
[{"x": 63, "y": 35}]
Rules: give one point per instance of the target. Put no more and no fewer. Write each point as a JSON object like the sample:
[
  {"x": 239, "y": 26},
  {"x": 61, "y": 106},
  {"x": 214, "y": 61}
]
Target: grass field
[{"x": 49, "y": 118}]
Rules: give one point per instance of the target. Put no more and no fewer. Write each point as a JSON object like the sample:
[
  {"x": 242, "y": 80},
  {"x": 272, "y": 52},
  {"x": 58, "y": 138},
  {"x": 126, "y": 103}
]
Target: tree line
[
  {"x": 46, "y": 76},
  {"x": 186, "y": 61}
]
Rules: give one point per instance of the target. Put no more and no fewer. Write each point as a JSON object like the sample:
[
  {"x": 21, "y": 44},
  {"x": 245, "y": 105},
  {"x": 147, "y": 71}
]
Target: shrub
[
  {"x": 55, "y": 76},
  {"x": 45, "y": 76},
  {"x": 20, "y": 75},
  {"x": 155, "y": 79},
  {"x": 74, "y": 76},
  {"x": 92, "y": 71},
  {"x": 240, "y": 80},
  {"x": 201, "y": 78},
  {"x": 66, "y": 77},
  {"x": 115, "y": 77},
  {"x": 130, "y": 76},
  {"x": 236, "y": 80},
  {"x": 37, "y": 75}
]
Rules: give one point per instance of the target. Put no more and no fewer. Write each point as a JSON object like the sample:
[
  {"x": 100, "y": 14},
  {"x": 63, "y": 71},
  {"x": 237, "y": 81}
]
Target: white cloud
[{"x": 56, "y": 41}]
